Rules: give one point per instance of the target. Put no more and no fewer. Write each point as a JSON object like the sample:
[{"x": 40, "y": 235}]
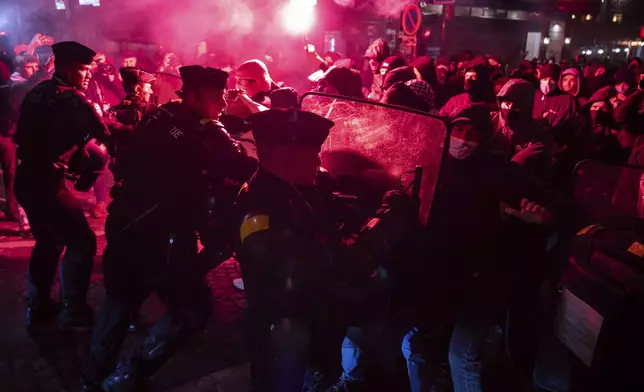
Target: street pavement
[{"x": 51, "y": 361}]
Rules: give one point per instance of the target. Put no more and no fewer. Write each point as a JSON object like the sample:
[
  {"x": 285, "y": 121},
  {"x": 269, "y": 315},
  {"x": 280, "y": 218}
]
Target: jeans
[{"x": 101, "y": 190}]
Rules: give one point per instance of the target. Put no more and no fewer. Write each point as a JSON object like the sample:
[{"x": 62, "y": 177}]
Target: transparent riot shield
[
  {"x": 604, "y": 192},
  {"x": 374, "y": 147}
]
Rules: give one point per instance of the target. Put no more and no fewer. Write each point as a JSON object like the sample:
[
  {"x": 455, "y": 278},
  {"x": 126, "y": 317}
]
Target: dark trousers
[
  {"x": 332, "y": 330},
  {"x": 138, "y": 260},
  {"x": 58, "y": 223},
  {"x": 8, "y": 163}
]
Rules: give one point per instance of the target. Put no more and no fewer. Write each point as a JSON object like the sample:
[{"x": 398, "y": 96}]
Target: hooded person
[
  {"x": 341, "y": 81},
  {"x": 466, "y": 234},
  {"x": 375, "y": 55},
  {"x": 516, "y": 130},
  {"x": 479, "y": 89},
  {"x": 570, "y": 82},
  {"x": 596, "y": 79},
  {"x": 426, "y": 70},
  {"x": 551, "y": 105},
  {"x": 391, "y": 63},
  {"x": 401, "y": 94},
  {"x": 602, "y": 139},
  {"x": 401, "y": 74},
  {"x": 526, "y": 71},
  {"x": 253, "y": 78},
  {"x": 625, "y": 83}
]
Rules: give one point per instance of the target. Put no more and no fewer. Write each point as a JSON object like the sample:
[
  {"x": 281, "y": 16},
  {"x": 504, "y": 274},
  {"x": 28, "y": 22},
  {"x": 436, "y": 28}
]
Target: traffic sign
[
  {"x": 412, "y": 19},
  {"x": 409, "y": 40}
]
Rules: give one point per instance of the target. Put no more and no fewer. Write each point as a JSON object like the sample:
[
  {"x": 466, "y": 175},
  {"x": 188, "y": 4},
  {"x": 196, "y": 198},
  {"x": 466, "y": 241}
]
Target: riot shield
[
  {"x": 604, "y": 192},
  {"x": 374, "y": 147}
]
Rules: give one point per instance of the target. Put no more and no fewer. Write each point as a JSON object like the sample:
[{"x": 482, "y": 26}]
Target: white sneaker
[{"x": 239, "y": 284}]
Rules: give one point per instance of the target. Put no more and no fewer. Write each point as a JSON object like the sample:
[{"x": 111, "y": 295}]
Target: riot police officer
[
  {"x": 292, "y": 254},
  {"x": 56, "y": 123},
  {"x": 137, "y": 84},
  {"x": 171, "y": 177}
]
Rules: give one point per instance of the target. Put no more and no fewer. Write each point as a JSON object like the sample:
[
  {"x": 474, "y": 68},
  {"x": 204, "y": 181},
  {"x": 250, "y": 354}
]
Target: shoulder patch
[{"x": 253, "y": 223}]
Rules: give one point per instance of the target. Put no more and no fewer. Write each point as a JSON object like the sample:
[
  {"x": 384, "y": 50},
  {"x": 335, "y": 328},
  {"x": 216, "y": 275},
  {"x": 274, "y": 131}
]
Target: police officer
[
  {"x": 137, "y": 84},
  {"x": 171, "y": 178},
  {"x": 56, "y": 123},
  {"x": 292, "y": 254}
]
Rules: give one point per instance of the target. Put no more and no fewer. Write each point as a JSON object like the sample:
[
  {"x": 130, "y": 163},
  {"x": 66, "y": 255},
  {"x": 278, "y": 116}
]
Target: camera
[{"x": 105, "y": 69}]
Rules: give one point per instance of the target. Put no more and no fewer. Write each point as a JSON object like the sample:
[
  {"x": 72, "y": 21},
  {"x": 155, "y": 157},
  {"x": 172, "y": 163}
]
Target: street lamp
[
  {"x": 567, "y": 41},
  {"x": 600, "y": 51},
  {"x": 589, "y": 17},
  {"x": 546, "y": 41}
]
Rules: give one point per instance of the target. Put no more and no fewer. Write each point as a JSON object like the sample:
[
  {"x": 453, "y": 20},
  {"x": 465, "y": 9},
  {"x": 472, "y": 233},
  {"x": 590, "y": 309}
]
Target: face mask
[
  {"x": 546, "y": 87},
  {"x": 461, "y": 149}
]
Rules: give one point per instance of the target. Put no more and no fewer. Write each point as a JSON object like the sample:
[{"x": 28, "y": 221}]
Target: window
[{"x": 93, "y": 3}]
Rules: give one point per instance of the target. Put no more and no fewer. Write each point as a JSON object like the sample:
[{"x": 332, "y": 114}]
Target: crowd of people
[{"x": 314, "y": 291}]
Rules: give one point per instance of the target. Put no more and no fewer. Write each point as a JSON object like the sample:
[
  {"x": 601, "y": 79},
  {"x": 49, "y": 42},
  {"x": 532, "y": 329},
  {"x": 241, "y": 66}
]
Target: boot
[
  {"x": 316, "y": 380},
  {"x": 75, "y": 317},
  {"x": 346, "y": 385},
  {"x": 87, "y": 386},
  {"x": 124, "y": 379},
  {"x": 40, "y": 312}
]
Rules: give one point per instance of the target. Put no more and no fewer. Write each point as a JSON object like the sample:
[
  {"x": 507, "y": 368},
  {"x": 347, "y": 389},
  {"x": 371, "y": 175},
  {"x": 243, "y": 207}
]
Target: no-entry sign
[{"x": 412, "y": 19}]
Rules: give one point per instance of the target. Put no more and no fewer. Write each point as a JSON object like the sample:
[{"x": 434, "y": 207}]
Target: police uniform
[
  {"x": 171, "y": 173},
  {"x": 293, "y": 257},
  {"x": 56, "y": 122},
  {"x": 131, "y": 110}
]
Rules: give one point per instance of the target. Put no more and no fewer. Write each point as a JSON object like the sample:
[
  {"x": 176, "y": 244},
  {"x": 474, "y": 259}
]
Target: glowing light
[
  {"x": 546, "y": 41},
  {"x": 567, "y": 41},
  {"x": 333, "y": 44},
  {"x": 574, "y": 16},
  {"x": 614, "y": 18},
  {"x": 600, "y": 51},
  {"x": 627, "y": 50},
  {"x": 589, "y": 52},
  {"x": 298, "y": 16},
  {"x": 589, "y": 17}
]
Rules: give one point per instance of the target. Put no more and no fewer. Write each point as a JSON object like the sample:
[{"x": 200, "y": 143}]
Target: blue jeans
[{"x": 465, "y": 347}]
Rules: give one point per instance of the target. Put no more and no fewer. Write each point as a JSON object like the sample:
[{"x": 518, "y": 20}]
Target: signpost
[
  {"x": 411, "y": 20},
  {"x": 409, "y": 41}
]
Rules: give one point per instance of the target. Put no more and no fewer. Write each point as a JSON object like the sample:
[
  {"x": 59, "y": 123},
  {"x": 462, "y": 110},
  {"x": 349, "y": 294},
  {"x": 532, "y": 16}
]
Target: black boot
[
  {"x": 346, "y": 385},
  {"x": 124, "y": 379},
  {"x": 76, "y": 317},
  {"x": 316, "y": 380},
  {"x": 87, "y": 386},
  {"x": 40, "y": 312}
]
